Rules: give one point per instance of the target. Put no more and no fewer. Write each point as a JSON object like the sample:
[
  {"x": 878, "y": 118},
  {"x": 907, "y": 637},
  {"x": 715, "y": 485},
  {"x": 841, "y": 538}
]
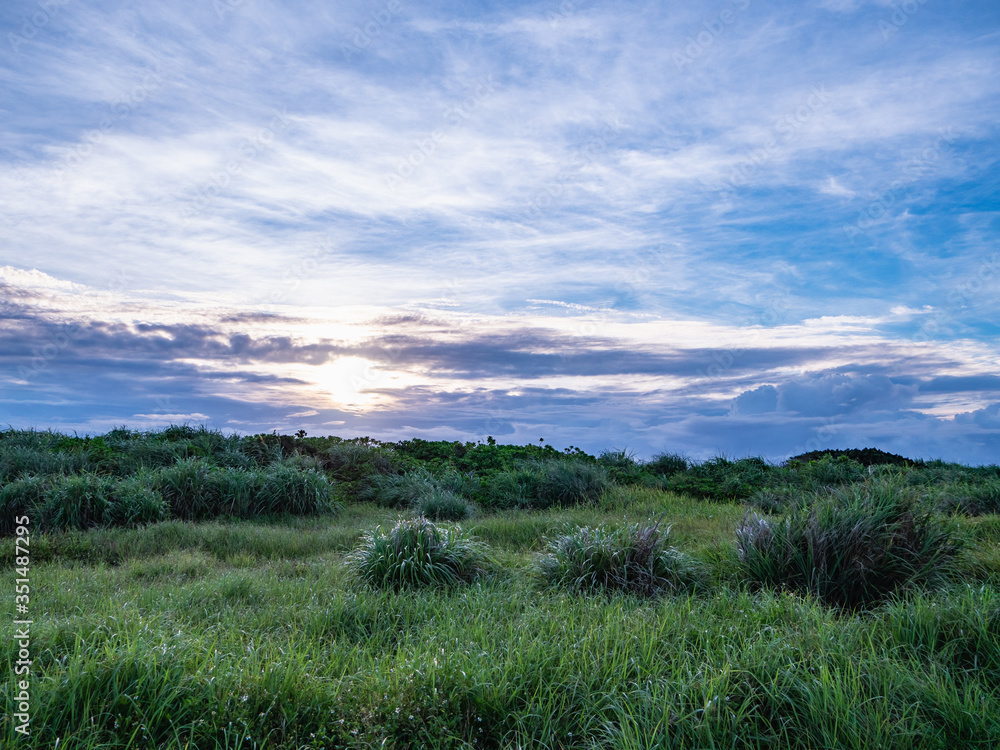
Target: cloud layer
[{"x": 745, "y": 228}]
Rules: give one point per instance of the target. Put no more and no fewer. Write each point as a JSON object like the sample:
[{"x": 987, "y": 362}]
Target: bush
[
  {"x": 972, "y": 499},
  {"x": 722, "y": 479},
  {"x": 398, "y": 490},
  {"x": 135, "y": 503},
  {"x": 443, "y": 505},
  {"x": 864, "y": 456},
  {"x": 635, "y": 559},
  {"x": 415, "y": 552},
  {"x": 621, "y": 465},
  {"x": 77, "y": 502},
  {"x": 570, "y": 482},
  {"x": 850, "y": 548},
  {"x": 21, "y": 497},
  {"x": 196, "y": 490},
  {"x": 667, "y": 464},
  {"x": 189, "y": 489}
]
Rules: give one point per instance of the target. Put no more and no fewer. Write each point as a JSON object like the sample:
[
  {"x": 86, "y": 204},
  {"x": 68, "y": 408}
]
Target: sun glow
[{"x": 348, "y": 380}]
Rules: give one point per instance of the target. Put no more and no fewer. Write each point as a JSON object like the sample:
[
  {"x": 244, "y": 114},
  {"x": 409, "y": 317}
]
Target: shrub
[
  {"x": 635, "y": 559},
  {"x": 21, "y": 497},
  {"x": 297, "y": 491},
  {"x": 621, "y": 465},
  {"x": 972, "y": 499},
  {"x": 398, "y": 490},
  {"x": 667, "y": 464},
  {"x": 516, "y": 488},
  {"x": 570, "y": 482},
  {"x": 443, "y": 505},
  {"x": 77, "y": 502},
  {"x": 135, "y": 503},
  {"x": 722, "y": 479},
  {"x": 189, "y": 489},
  {"x": 415, "y": 552},
  {"x": 864, "y": 456},
  {"x": 850, "y": 548}
]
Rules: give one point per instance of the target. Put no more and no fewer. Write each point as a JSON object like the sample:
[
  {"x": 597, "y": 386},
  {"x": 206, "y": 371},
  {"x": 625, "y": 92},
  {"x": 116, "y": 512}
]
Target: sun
[{"x": 348, "y": 380}]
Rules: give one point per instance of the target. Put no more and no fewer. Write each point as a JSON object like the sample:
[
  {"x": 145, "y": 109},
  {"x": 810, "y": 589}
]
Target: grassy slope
[{"x": 249, "y": 635}]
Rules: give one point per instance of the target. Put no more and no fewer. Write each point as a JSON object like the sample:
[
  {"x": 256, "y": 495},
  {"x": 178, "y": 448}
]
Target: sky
[{"x": 727, "y": 228}]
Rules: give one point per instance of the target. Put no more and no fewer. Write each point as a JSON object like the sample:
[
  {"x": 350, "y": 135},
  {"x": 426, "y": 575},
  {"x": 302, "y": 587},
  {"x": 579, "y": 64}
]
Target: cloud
[
  {"x": 210, "y": 205},
  {"x": 987, "y": 417}
]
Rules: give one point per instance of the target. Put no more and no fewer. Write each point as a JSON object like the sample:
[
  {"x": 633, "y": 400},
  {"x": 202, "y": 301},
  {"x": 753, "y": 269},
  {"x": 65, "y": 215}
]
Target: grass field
[{"x": 259, "y": 631}]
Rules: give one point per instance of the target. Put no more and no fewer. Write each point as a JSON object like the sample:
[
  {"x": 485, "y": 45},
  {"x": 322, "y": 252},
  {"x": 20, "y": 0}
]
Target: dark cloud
[
  {"x": 987, "y": 417},
  {"x": 967, "y": 383},
  {"x": 758, "y": 401}
]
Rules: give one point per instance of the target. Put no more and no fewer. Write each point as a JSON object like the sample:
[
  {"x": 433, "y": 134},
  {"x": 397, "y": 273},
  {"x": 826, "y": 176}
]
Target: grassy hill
[{"x": 189, "y": 589}]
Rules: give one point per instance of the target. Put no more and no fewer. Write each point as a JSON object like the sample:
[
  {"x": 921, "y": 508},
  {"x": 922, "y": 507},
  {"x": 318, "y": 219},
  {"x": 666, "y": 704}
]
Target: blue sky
[{"x": 740, "y": 227}]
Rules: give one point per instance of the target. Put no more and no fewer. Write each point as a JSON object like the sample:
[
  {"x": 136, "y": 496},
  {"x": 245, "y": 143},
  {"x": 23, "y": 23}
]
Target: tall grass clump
[
  {"x": 134, "y": 503},
  {"x": 18, "y": 498},
  {"x": 301, "y": 492},
  {"x": 443, "y": 505},
  {"x": 635, "y": 559},
  {"x": 621, "y": 465},
  {"x": 720, "y": 478},
  {"x": 189, "y": 489},
  {"x": 571, "y": 482},
  {"x": 972, "y": 499},
  {"x": 398, "y": 490},
  {"x": 437, "y": 498},
  {"x": 667, "y": 464},
  {"x": 194, "y": 489},
  {"x": 850, "y": 548},
  {"x": 416, "y": 552},
  {"x": 77, "y": 502}
]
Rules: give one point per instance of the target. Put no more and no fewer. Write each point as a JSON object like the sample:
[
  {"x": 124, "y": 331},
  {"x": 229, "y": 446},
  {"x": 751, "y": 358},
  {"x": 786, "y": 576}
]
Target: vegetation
[
  {"x": 851, "y": 547},
  {"x": 415, "y": 552},
  {"x": 192, "y": 589},
  {"x": 635, "y": 559}
]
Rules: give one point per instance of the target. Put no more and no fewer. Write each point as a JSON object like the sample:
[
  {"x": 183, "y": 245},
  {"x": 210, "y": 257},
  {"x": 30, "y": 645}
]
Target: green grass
[
  {"x": 416, "y": 552},
  {"x": 635, "y": 559},
  {"x": 252, "y": 623},
  {"x": 138, "y": 642},
  {"x": 851, "y": 547}
]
